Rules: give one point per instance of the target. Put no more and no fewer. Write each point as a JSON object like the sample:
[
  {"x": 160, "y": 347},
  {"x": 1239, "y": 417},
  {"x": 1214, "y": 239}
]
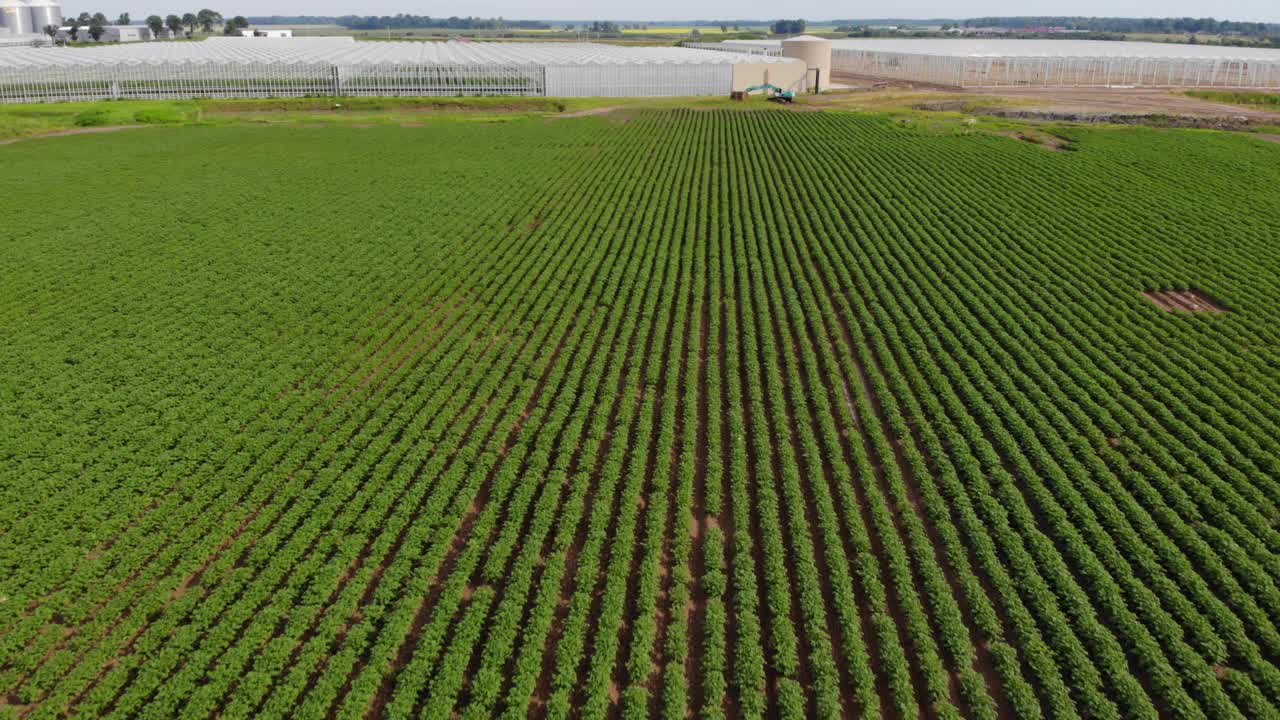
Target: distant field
[
  {"x": 656, "y": 31},
  {"x": 675, "y": 413},
  {"x": 307, "y": 29},
  {"x": 1247, "y": 99}
]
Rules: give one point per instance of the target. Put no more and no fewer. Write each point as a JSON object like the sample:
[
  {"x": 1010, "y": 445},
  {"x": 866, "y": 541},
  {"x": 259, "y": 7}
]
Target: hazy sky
[{"x": 1256, "y": 10}]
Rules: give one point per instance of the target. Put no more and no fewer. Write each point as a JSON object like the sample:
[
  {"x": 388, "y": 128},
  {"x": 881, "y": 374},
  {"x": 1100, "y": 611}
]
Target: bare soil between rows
[
  {"x": 1195, "y": 301},
  {"x": 99, "y": 130}
]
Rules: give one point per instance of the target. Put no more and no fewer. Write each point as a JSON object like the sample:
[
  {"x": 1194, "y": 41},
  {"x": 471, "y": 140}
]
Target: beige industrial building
[
  {"x": 753, "y": 70},
  {"x": 815, "y": 53}
]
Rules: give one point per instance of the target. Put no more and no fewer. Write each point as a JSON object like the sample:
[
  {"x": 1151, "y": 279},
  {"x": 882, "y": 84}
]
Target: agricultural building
[
  {"x": 284, "y": 67},
  {"x": 22, "y": 22},
  {"x": 815, "y": 53},
  {"x": 1041, "y": 63}
]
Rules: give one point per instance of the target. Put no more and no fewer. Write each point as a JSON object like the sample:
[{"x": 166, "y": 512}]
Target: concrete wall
[{"x": 786, "y": 75}]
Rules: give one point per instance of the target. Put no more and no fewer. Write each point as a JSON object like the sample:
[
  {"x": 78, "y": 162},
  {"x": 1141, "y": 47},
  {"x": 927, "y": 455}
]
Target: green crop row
[{"x": 671, "y": 413}]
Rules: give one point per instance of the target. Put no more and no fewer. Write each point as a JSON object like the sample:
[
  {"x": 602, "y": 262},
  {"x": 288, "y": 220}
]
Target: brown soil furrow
[
  {"x": 666, "y": 612},
  {"x": 846, "y": 395},
  {"x": 1195, "y": 301},
  {"x": 151, "y": 507},
  {"x": 213, "y": 558},
  {"x": 984, "y": 662},
  {"x": 407, "y": 644},
  {"x": 729, "y": 525},
  {"x": 698, "y": 523},
  {"x": 790, "y": 404},
  {"x": 629, "y": 465},
  {"x": 68, "y": 132},
  {"x": 543, "y": 687},
  {"x": 240, "y": 560},
  {"x": 866, "y": 388},
  {"x": 568, "y": 585},
  {"x": 558, "y": 447},
  {"x": 772, "y": 677},
  {"x": 363, "y": 556}
]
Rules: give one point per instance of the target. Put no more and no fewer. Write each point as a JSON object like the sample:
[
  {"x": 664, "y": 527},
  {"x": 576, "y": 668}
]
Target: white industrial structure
[
  {"x": 1048, "y": 63},
  {"x": 266, "y": 33},
  {"x": 815, "y": 53},
  {"x": 268, "y": 67},
  {"x": 22, "y": 22},
  {"x": 110, "y": 34}
]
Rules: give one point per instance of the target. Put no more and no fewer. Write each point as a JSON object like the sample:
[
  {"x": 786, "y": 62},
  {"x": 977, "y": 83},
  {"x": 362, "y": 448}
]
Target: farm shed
[{"x": 283, "y": 67}]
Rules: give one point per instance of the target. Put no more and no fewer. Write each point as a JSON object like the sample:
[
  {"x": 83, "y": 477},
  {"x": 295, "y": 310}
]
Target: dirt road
[{"x": 1081, "y": 101}]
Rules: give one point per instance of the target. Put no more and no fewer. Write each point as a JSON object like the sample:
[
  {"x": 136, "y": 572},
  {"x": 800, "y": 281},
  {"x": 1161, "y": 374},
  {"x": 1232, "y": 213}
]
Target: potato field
[{"x": 714, "y": 414}]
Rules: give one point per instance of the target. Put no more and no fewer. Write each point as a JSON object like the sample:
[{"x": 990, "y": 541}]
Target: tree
[
  {"x": 84, "y": 19},
  {"x": 208, "y": 18},
  {"x": 190, "y": 22},
  {"x": 73, "y": 30},
  {"x": 51, "y": 31},
  {"x": 235, "y": 25},
  {"x": 156, "y": 23},
  {"x": 724, "y": 28},
  {"x": 96, "y": 31},
  {"x": 124, "y": 19},
  {"x": 174, "y": 23},
  {"x": 98, "y": 18},
  {"x": 787, "y": 27}
]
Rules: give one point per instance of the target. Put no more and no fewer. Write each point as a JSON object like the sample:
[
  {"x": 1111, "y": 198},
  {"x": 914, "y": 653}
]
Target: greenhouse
[
  {"x": 260, "y": 67},
  {"x": 1050, "y": 63}
]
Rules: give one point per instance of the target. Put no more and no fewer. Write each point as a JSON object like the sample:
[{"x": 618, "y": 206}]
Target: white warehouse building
[
  {"x": 973, "y": 62},
  {"x": 22, "y": 22},
  {"x": 271, "y": 67},
  {"x": 110, "y": 33}
]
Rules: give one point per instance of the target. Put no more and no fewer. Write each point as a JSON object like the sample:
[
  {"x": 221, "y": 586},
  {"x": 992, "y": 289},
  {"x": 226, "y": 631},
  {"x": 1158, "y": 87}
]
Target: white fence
[
  {"x": 639, "y": 80},
  {"x": 1050, "y": 71},
  {"x": 735, "y": 48},
  {"x": 250, "y": 80}
]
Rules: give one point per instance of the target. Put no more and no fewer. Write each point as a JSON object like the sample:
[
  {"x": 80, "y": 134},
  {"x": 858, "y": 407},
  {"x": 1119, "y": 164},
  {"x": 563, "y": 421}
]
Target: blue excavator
[{"x": 776, "y": 93}]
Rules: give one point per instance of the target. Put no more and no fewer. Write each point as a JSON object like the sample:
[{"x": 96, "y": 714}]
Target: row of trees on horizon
[{"x": 94, "y": 24}]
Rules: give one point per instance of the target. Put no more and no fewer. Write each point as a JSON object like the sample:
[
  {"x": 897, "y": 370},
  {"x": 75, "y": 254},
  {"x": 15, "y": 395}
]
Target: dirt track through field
[
  {"x": 99, "y": 130},
  {"x": 1084, "y": 102}
]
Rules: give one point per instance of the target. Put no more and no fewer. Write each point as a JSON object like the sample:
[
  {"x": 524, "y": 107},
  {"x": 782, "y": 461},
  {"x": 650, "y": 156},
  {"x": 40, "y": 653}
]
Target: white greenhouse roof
[
  {"x": 342, "y": 51},
  {"x": 981, "y": 47}
]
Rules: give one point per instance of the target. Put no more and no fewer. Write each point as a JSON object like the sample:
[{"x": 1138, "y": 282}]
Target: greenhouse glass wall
[
  {"x": 1046, "y": 63},
  {"x": 295, "y": 67}
]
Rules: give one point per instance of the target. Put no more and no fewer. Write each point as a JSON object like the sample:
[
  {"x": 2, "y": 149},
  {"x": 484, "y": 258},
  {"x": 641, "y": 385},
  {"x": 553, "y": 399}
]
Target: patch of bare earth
[
  {"x": 1091, "y": 104},
  {"x": 73, "y": 131},
  {"x": 1042, "y": 139},
  {"x": 588, "y": 113},
  {"x": 1268, "y": 137},
  {"x": 1192, "y": 300},
  {"x": 1139, "y": 101}
]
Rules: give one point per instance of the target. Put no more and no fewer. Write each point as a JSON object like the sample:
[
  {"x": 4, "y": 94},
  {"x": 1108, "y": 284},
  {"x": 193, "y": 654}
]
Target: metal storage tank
[
  {"x": 15, "y": 19},
  {"x": 44, "y": 12},
  {"x": 816, "y": 53}
]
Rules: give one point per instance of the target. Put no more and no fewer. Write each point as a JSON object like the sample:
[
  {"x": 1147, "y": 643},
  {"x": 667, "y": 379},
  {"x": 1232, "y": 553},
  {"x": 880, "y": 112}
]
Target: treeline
[
  {"x": 185, "y": 25},
  {"x": 787, "y": 27},
  {"x": 1130, "y": 25},
  {"x": 372, "y": 22}
]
